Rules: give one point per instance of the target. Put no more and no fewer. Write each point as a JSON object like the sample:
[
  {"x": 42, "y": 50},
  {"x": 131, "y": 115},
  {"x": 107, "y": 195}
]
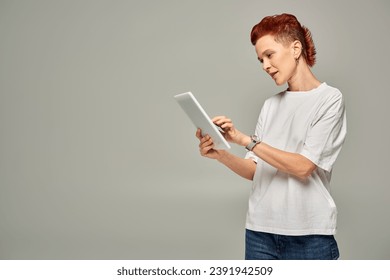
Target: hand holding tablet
[{"x": 201, "y": 120}]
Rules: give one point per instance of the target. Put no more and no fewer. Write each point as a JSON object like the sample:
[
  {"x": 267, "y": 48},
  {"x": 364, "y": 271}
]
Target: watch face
[{"x": 255, "y": 138}]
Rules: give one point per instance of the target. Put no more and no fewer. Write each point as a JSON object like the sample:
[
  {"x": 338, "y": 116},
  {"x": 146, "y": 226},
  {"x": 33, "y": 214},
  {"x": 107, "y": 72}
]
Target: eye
[
  {"x": 261, "y": 61},
  {"x": 269, "y": 55}
]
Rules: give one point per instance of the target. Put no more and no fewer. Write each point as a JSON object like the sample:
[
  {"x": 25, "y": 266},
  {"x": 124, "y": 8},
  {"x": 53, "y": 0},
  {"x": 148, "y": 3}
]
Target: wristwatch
[{"x": 254, "y": 141}]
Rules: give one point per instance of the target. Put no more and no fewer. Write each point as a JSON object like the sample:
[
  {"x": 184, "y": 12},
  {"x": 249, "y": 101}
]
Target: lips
[{"x": 273, "y": 74}]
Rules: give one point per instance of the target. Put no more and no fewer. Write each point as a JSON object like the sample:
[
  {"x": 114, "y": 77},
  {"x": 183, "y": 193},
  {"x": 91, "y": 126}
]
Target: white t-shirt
[{"x": 313, "y": 124}]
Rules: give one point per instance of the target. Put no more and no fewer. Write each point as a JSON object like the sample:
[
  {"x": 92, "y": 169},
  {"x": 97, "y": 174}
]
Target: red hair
[{"x": 286, "y": 29}]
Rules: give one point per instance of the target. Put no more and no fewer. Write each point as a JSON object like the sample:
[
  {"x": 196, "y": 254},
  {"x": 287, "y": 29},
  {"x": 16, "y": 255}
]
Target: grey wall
[{"x": 97, "y": 161}]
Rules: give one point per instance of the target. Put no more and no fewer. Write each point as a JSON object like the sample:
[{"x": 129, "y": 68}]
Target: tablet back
[{"x": 200, "y": 119}]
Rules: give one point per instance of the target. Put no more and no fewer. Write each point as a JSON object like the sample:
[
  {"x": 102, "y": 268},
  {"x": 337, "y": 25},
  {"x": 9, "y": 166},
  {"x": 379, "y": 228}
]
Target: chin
[
  {"x": 280, "y": 80},
  {"x": 279, "y": 83}
]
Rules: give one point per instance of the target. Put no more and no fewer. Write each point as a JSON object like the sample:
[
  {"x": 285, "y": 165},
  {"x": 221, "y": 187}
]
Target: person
[{"x": 298, "y": 136}]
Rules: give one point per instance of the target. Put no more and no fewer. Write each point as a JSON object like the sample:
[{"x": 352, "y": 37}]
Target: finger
[
  {"x": 206, "y": 141},
  {"x": 218, "y": 118},
  {"x": 199, "y": 133},
  {"x": 221, "y": 121},
  {"x": 205, "y": 150},
  {"x": 227, "y": 125}
]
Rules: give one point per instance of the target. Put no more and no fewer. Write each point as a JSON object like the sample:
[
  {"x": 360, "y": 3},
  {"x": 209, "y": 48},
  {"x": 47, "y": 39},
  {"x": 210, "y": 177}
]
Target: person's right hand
[{"x": 206, "y": 146}]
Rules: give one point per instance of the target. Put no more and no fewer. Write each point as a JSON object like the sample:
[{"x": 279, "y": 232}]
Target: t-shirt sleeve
[{"x": 326, "y": 133}]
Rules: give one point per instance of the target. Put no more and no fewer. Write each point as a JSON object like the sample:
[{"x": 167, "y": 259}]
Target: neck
[{"x": 303, "y": 79}]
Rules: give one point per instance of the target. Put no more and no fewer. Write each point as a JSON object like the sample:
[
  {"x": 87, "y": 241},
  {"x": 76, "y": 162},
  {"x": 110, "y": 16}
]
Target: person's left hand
[{"x": 231, "y": 134}]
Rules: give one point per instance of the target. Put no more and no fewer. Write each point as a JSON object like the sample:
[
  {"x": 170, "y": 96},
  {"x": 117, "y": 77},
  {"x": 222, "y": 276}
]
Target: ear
[{"x": 296, "y": 48}]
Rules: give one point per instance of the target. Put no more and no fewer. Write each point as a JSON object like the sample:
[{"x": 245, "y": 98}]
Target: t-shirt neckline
[{"x": 299, "y": 93}]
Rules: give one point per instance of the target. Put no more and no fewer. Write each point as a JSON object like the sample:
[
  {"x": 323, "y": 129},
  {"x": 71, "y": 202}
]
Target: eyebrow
[
  {"x": 267, "y": 50},
  {"x": 262, "y": 54}
]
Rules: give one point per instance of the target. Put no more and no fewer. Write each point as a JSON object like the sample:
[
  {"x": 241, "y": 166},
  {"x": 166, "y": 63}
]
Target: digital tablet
[{"x": 201, "y": 120}]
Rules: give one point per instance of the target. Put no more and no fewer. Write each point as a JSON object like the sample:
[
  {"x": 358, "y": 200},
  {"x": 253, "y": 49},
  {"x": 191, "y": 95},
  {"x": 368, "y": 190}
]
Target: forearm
[
  {"x": 291, "y": 163},
  {"x": 244, "y": 167}
]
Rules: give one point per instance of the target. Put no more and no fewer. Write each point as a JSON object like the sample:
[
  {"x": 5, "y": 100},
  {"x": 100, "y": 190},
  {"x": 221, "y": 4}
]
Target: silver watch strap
[{"x": 252, "y": 145}]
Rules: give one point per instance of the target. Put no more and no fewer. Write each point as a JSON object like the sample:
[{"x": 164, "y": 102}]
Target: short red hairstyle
[{"x": 286, "y": 29}]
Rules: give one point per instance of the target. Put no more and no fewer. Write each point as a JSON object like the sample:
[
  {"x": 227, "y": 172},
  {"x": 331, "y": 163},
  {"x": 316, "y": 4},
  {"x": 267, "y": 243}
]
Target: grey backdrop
[{"x": 97, "y": 161}]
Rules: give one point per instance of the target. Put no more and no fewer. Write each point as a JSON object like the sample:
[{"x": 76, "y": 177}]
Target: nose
[{"x": 266, "y": 65}]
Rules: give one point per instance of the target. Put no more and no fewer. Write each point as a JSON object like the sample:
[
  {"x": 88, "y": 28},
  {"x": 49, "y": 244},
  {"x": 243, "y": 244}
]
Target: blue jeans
[{"x": 268, "y": 246}]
